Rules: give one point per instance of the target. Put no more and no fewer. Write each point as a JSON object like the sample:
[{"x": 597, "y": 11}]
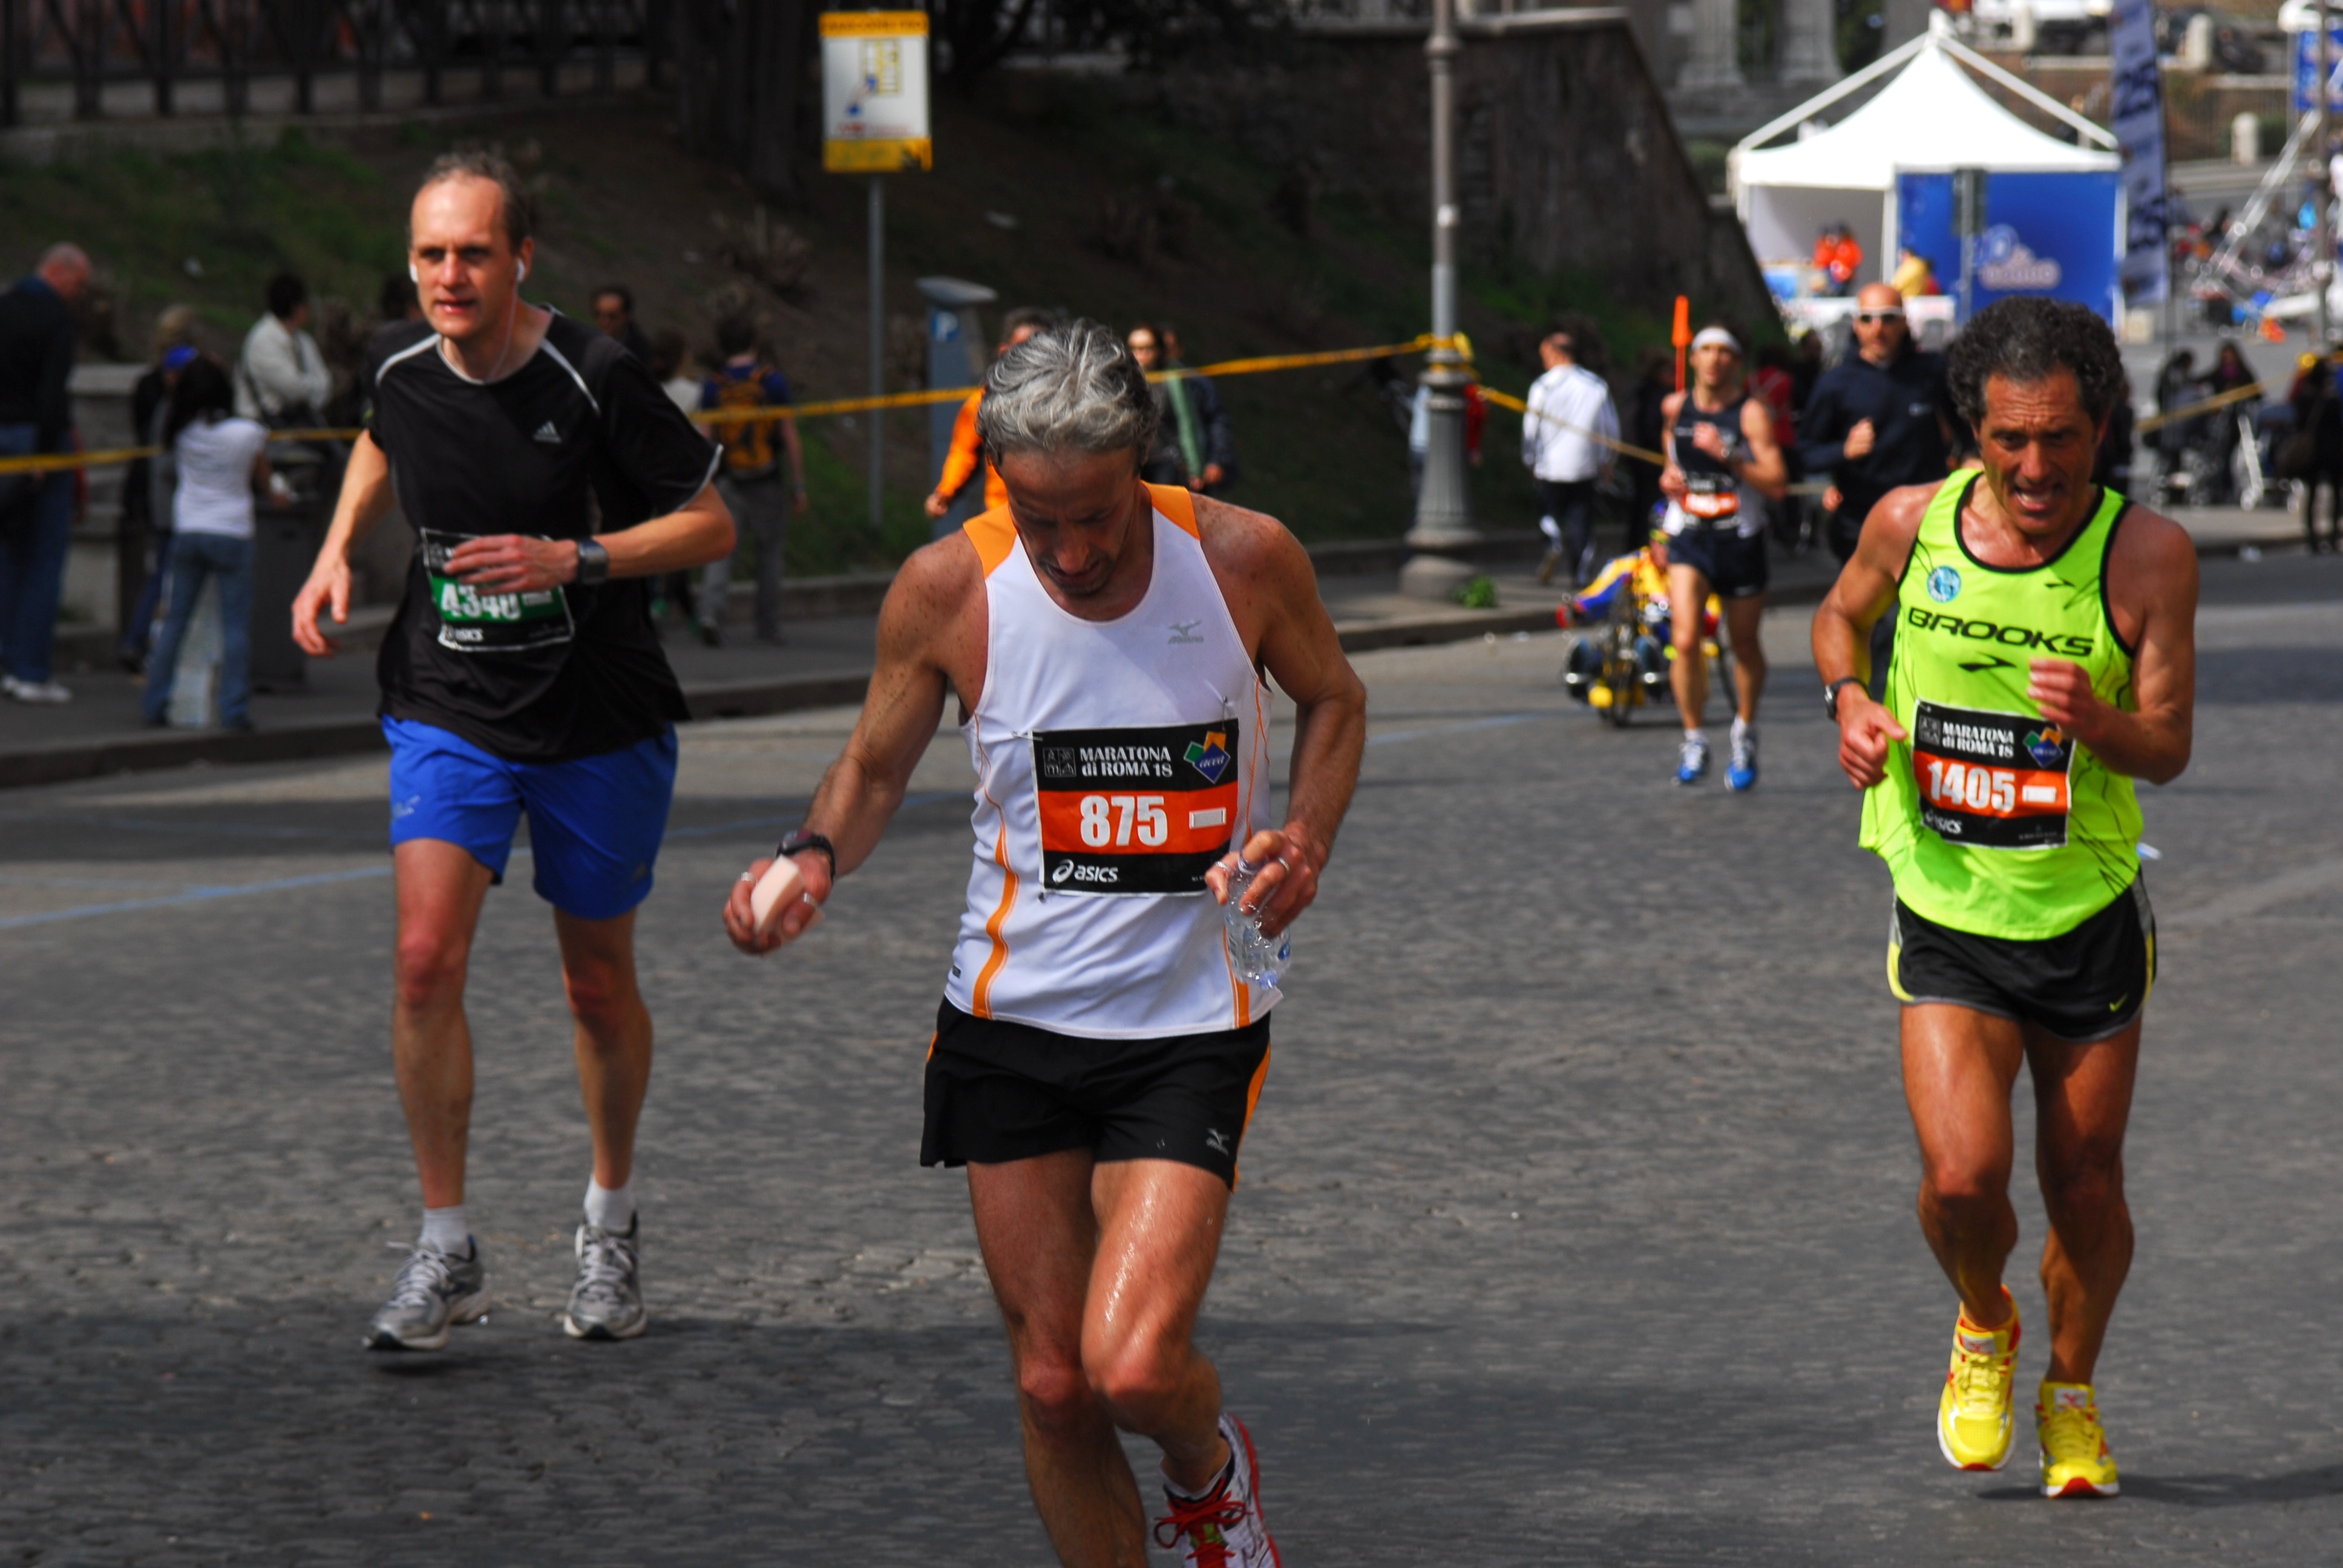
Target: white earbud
[
  {"x": 413, "y": 275},
  {"x": 520, "y": 271}
]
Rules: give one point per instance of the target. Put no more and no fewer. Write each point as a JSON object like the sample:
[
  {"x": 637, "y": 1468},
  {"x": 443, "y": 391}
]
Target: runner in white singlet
[{"x": 1097, "y": 1056}]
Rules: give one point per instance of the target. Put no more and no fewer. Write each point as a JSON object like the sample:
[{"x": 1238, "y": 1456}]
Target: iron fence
[{"x": 166, "y": 44}]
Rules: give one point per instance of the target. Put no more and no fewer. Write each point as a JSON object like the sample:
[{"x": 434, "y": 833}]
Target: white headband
[{"x": 1717, "y": 335}]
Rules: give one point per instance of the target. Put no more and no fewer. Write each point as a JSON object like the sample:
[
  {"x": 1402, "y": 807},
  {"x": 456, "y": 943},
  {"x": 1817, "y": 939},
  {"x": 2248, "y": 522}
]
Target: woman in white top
[{"x": 219, "y": 458}]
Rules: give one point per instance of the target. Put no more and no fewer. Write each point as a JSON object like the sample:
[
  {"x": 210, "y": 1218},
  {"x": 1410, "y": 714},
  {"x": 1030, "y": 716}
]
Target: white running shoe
[
  {"x": 1740, "y": 773},
  {"x": 434, "y": 1291},
  {"x": 1691, "y": 763},
  {"x": 46, "y": 693},
  {"x": 1223, "y": 1529},
  {"x": 607, "y": 1302}
]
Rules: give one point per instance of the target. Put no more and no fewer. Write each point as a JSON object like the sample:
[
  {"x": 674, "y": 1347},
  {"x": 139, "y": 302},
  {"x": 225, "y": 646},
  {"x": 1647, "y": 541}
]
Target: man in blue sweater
[{"x": 1876, "y": 421}]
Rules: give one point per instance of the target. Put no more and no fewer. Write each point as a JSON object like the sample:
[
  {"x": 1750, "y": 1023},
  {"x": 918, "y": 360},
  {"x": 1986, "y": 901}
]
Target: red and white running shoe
[{"x": 1224, "y": 1529}]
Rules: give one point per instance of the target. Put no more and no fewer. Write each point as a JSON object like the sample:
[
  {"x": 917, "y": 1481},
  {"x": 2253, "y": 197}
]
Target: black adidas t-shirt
[{"x": 580, "y": 440}]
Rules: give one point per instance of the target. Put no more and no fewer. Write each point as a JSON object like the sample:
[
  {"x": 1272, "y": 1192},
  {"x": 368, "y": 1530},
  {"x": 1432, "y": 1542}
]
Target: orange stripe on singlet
[
  {"x": 980, "y": 994},
  {"x": 1177, "y": 503},
  {"x": 994, "y": 535}
]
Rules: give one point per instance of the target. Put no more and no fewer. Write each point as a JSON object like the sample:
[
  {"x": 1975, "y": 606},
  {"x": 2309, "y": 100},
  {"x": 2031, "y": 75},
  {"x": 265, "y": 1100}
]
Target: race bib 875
[
  {"x": 1130, "y": 811},
  {"x": 1997, "y": 781}
]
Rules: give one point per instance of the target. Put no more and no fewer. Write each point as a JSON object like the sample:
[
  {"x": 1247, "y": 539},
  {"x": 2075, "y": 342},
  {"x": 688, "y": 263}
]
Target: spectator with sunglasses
[{"x": 1875, "y": 421}]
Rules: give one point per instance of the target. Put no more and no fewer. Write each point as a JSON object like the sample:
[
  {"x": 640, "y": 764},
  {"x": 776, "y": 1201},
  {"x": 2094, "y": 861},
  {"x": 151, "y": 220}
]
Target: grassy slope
[{"x": 621, "y": 200}]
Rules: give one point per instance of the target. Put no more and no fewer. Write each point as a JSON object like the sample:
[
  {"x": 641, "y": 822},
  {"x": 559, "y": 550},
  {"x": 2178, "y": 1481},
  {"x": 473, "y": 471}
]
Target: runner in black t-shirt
[{"x": 548, "y": 478}]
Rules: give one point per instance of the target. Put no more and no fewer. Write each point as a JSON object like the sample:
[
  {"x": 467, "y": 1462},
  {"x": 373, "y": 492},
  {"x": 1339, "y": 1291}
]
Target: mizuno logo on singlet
[
  {"x": 1185, "y": 631},
  {"x": 2065, "y": 644}
]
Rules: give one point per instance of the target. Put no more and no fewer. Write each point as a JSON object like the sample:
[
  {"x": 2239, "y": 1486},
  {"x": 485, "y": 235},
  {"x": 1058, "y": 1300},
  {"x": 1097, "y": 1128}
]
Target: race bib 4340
[
  {"x": 1997, "y": 781},
  {"x": 1129, "y": 811},
  {"x": 473, "y": 621}
]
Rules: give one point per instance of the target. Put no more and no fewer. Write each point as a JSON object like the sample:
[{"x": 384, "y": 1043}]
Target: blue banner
[
  {"x": 2048, "y": 233},
  {"x": 2136, "y": 97},
  {"x": 2305, "y": 69}
]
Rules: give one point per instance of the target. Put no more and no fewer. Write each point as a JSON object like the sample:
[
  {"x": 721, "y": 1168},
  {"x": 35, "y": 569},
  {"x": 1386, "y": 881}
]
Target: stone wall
[{"x": 1566, "y": 157}]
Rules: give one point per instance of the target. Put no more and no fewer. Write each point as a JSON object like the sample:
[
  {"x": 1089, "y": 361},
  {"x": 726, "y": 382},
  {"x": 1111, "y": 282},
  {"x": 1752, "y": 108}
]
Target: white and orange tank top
[{"x": 1116, "y": 761}]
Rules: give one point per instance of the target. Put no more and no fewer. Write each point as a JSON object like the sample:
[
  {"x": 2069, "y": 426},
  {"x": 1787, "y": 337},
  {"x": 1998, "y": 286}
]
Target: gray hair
[{"x": 1072, "y": 386}]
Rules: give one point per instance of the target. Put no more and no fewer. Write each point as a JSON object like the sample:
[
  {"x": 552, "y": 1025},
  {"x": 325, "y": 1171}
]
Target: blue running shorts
[{"x": 594, "y": 823}]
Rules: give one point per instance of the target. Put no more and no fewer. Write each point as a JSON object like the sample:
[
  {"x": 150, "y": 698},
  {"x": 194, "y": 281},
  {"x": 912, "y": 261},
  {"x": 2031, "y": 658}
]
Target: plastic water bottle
[{"x": 1260, "y": 959}]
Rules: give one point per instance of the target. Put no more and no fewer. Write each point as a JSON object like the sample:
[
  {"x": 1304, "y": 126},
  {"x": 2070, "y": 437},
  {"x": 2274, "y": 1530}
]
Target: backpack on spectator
[{"x": 750, "y": 445}]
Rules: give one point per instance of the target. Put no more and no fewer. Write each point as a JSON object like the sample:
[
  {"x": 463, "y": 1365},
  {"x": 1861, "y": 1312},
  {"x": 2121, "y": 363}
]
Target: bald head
[
  {"x": 66, "y": 268},
  {"x": 1880, "y": 330}
]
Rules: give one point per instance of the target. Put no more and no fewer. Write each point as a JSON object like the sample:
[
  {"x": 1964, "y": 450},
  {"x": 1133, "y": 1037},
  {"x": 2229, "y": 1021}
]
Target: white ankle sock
[
  {"x": 1697, "y": 733},
  {"x": 612, "y": 1208},
  {"x": 1741, "y": 728},
  {"x": 1226, "y": 1474},
  {"x": 448, "y": 1229}
]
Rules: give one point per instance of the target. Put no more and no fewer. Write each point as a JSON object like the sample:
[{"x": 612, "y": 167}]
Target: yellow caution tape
[
  {"x": 2247, "y": 393},
  {"x": 52, "y": 462},
  {"x": 1507, "y": 400},
  {"x": 960, "y": 394}
]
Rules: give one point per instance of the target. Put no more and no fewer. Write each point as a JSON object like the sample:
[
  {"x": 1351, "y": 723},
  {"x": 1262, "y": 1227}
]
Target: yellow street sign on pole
[{"x": 874, "y": 92}]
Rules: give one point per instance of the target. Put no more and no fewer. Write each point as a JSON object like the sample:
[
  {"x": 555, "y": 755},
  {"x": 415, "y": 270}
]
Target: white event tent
[{"x": 1931, "y": 119}]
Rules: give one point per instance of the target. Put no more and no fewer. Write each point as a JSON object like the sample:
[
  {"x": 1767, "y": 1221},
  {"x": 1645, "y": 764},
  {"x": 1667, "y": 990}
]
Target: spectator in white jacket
[
  {"x": 281, "y": 379},
  {"x": 1569, "y": 419}
]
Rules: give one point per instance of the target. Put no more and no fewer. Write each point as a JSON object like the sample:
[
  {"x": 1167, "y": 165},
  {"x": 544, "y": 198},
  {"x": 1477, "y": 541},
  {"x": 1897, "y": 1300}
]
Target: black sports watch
[
  {"x": 1830, "y": 694},
  {"x": 801, "y": 840},
  {"x": 593, "y": 561}
]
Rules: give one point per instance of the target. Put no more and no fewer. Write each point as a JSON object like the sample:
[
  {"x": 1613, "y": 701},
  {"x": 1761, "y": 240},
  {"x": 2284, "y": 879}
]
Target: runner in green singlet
[{"x": 2042, "y": 658}]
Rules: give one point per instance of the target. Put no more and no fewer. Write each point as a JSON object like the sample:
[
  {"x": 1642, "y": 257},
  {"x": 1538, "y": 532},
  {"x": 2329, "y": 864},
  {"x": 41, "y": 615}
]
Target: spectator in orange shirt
[
  {"x": 1838, "y": 257},
  {"x": 967, "y": 448}
]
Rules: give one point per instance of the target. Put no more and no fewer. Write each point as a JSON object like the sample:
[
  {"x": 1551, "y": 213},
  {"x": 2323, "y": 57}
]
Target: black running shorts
[
  {"x": 2083, "y": 985},
  {"x": 999, "y": 1091},
  {"x": 1735, "y": 568}
]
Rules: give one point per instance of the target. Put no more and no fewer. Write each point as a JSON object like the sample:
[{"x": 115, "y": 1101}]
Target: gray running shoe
[
  {"x": 606, "y": 1304},
  {"x": 432, "y": 1293}
]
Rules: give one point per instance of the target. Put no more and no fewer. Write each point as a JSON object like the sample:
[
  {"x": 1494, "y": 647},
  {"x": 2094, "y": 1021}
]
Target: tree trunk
[{"x": 739, "y": 76}]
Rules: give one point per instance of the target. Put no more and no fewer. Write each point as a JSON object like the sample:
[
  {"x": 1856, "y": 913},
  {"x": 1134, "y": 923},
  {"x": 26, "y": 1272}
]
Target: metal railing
[{"x": 166, "y": 44}]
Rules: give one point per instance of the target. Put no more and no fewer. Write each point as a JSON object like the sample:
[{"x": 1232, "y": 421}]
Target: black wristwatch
[
  {"x": 1830, "y": 694},
  {"x": 801, "y": 840},
  {"x": 593, "y": 561}
]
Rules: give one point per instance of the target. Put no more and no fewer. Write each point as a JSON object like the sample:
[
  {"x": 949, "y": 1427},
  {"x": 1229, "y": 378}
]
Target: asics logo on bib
[{"x": 2064, "y": 645}]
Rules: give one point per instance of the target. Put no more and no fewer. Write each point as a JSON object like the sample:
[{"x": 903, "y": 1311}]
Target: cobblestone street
[{"x": 1576, "y": 1223}]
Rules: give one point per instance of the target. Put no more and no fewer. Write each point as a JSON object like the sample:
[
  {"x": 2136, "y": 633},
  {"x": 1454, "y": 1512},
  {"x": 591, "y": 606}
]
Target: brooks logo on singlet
[{"x": 2062, "y": 645}]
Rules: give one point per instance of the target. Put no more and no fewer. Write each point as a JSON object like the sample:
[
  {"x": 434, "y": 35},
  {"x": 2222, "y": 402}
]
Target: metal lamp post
[{"x": 1442, "y": 537}]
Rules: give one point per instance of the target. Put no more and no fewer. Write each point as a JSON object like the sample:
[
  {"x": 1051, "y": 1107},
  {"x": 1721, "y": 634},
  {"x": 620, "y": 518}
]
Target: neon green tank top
[{"x": 1991, "y": 820}]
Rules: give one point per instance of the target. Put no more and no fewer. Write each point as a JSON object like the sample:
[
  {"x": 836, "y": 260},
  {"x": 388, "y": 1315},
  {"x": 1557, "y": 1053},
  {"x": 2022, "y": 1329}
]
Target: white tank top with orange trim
[{"x": 1116, "y": 761}]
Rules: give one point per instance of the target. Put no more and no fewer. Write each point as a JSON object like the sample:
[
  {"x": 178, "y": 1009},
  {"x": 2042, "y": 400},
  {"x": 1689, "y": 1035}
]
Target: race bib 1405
[
  {"x": 1135, "y": 810},
  {"x": 473, "y": 621},
  {"x": 1997, "y": 781}
]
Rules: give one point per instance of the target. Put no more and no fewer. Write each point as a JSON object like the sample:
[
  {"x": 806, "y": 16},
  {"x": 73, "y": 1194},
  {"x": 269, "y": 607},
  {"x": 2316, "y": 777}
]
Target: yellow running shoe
[
  {"x": 1973, "y": 1418},
  {"x": 2075, "y": 1458}
]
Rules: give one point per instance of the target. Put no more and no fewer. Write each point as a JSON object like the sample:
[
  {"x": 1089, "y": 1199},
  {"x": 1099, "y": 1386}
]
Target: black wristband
[
  {"x": 800, "y": 841},
  {"x": 593, "y": 562}
]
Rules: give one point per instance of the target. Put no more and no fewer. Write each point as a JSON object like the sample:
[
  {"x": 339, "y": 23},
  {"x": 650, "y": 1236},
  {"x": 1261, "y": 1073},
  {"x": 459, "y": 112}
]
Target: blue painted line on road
[{"x": 191, "y": 896}]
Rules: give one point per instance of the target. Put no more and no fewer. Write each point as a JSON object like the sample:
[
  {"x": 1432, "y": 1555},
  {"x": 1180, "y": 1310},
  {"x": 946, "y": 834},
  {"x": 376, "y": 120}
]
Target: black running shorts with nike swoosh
[
  {"x": 998, "y": 1092},
  {"x": 2082, "y": 985}
]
